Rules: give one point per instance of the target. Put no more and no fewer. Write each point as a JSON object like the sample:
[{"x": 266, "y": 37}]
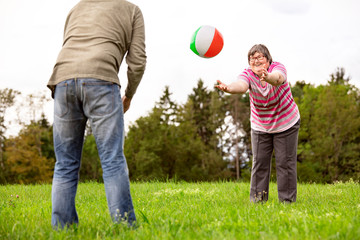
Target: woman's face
[{"x": 257, "y": 62}]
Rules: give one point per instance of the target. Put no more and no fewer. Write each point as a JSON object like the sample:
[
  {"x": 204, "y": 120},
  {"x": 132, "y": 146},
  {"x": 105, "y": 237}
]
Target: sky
[{"x": 312, "y": 38}]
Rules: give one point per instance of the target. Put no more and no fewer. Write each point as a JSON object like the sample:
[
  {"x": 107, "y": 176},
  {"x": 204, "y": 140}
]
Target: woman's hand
[
  {"x": 274, "y": 78},
  {"x": 264, "y": 74},
  {"x": 222, "y": 86}
]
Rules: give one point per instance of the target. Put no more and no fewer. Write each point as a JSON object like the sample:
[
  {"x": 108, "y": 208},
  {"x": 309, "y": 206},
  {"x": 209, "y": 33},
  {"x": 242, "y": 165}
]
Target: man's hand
[{"x": 126, "y": 103}]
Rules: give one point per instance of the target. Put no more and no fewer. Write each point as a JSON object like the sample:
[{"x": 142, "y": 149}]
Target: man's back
[{"x": 97, "y": 36}]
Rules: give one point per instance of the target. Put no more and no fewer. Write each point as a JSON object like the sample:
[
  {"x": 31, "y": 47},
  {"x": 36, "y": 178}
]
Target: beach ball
[{"x": 207, "y": 42}]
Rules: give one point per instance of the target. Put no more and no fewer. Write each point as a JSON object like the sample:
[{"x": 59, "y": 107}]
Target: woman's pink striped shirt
[{"x": 273, "y": 108}]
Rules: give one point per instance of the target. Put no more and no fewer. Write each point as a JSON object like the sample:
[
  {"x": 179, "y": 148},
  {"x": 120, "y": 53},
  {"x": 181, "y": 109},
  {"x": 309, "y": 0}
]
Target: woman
[{"x": 275, "y": 123}]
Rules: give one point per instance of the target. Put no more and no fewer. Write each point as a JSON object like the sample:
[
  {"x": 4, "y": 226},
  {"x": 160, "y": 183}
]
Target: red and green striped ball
[{"x": 207, "y": 42}]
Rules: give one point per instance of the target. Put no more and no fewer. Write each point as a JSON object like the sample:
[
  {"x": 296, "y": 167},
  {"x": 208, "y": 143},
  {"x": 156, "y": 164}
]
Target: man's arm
[{"x": 136, "y": 55}]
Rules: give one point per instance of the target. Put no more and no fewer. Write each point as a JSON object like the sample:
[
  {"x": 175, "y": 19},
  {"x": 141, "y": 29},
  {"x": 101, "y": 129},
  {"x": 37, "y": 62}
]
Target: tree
[
  {"x": 31, "y": 108},
  {"x": 167, "y": 107},
  {"x": 29, "y": 156},
  {"x": 149, "y": 142},
  {"x": 330, "y": 131},
  {"x": 298, "y": 91},
  {"x": 239, "y": 143},
  {"x": 207, "y": 110},
  {"x": 7, "y": 100},
  {"x": 338, "y": 78},
  {"x": 90, "y": 162},
  {"x": 200, "y": 112},
  {"x": 165, "y": 145},
  {"x": 335, "y": 126}
]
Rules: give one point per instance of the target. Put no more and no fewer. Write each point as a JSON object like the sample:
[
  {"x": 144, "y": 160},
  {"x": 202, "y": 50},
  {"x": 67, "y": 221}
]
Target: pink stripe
[
  {"x": 272, "y": 109},
  {"x": 247, "y": 78},
  {"x": 273, "y": 97},
  {"x": 261, "y": 106},
  {"x": 275, "y": 94},
  {"x": 253, "y": 78},
  {"x": 257, "y": 84},
  {"x": 267, "y": 109},
  {"x": 251, "y": 72},
  {"x": 258, "y": 94},
  {"x": 274, "y": 114},
  {"x": 277, "y": 66},
  {"x": 276, "y": 126},
  {"x": 273, "y": 67},
  {"x": 277, "y": 119}
]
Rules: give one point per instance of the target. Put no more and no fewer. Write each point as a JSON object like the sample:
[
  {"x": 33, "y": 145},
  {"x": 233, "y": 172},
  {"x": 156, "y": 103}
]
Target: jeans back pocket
[
  {"x": 61, "y": 107},
  {"x": 99, "y": 97}
]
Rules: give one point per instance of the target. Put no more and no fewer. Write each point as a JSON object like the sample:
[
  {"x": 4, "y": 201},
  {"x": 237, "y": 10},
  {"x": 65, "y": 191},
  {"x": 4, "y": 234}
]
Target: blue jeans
[{"x": 76, "y": 101}]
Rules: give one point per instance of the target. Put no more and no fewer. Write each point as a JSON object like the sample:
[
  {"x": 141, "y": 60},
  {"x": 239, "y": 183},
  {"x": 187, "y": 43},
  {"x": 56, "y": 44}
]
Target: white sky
[{"x": 310, "y": 37}]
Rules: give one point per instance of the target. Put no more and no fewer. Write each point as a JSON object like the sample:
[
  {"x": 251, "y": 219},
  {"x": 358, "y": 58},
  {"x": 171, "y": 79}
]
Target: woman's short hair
[{"x": 260, "y": 48}]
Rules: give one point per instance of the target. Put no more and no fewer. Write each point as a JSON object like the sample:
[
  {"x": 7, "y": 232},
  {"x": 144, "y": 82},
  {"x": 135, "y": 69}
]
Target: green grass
[{"x": 171, "y": 210}]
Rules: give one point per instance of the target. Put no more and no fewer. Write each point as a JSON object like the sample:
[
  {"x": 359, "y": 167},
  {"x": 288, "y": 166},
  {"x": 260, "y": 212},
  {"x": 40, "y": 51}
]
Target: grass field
[{"x": 182, "y": 210}]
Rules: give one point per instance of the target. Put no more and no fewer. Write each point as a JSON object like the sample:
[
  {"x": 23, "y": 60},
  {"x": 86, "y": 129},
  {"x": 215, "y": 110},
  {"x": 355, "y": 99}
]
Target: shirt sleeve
[
  {"x": 278, "y": 67},
  {"x": 136, "y": 55},
  {"x": 244, "y": 77}
]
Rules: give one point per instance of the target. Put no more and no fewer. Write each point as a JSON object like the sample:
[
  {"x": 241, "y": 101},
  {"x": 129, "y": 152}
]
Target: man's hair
[{"x": 260, "y": 48}]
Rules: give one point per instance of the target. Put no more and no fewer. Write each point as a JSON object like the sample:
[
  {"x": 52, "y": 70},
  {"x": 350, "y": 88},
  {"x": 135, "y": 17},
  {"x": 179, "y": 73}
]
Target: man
[{"x": 85, "y": 86}]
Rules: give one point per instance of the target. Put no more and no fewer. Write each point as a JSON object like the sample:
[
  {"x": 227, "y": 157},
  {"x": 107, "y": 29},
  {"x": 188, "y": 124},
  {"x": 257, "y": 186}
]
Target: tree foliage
[
  {"x": 329, "y": 146},
  {"x": 7, "y": 100},
  {"x": 30, "y": 155},
  {"x": 238, "y": 144},
  {"x": 90, "y": 161},
  {"x": 172, "y": 143},
  {"x": 206, "y": 138}
]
